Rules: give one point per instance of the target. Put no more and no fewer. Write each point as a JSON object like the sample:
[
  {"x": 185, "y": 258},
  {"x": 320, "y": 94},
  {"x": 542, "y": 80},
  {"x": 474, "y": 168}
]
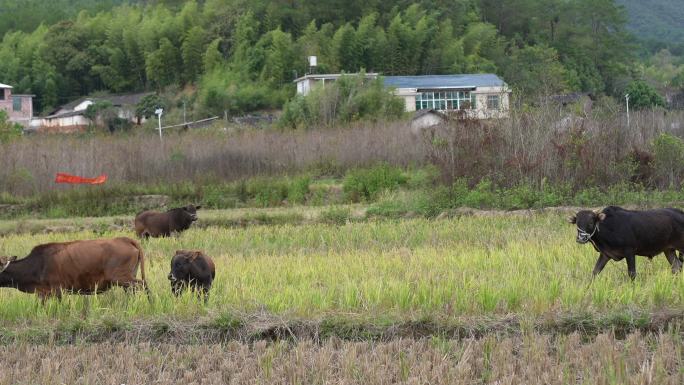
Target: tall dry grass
[
  {"x": 550, "y": 146},
  {"x": 546, "y": 145},
  {"x": 528, "y": 359},
  {"x": 29, "y": 164}
]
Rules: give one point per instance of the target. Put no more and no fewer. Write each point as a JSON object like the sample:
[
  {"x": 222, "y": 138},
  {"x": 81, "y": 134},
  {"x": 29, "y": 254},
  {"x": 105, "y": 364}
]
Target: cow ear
[
  {"x": 572, "y": 219},
  {"x": 198, "y": 207},
  {"x": 601, "y": 216}
]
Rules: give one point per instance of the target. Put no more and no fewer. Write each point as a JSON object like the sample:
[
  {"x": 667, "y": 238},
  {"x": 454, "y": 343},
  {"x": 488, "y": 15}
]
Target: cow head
[
  {"x": 192, "y": 211},
  {"x": 5, "y": 262},
  {"x": 587, "y": 222}
]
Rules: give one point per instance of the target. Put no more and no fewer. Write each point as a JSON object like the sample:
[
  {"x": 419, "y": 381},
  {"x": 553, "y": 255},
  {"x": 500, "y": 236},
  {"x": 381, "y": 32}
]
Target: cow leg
[
  {"x": 631, "y": 264},
  {"x": 674, "y": 261},
  {"x": 44, "y": 295},
  {"x": 133, "y": 283},
  {"x": 600, "y": 264}
]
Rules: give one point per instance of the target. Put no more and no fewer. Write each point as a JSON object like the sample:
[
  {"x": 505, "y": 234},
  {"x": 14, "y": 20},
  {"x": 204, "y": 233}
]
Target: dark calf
[
  {"x": 619, "y": 234},
  {"x": 192, "y": 269}
]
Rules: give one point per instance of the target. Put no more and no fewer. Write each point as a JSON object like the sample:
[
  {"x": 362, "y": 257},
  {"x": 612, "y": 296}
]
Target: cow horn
[{"x": 5, "y": 266}]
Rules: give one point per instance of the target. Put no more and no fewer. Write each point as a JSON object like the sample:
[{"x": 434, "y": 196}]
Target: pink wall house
[{"x": 19, "y": 108}]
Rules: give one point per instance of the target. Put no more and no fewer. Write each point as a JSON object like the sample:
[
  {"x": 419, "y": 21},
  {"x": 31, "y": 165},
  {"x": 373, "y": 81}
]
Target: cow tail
[{"x": 141, "y": 258}]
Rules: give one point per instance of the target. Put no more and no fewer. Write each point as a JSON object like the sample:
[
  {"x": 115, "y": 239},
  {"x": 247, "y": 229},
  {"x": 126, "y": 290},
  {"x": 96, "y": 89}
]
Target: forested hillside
[
  {"x": 26, "y": 15},
  {"x": 659, "y": 23},
  {"x": 243, "y": 55}
]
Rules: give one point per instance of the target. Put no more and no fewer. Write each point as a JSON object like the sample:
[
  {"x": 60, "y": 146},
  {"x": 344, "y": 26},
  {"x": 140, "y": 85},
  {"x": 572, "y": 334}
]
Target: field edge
[{"x": 232, "y": 326}]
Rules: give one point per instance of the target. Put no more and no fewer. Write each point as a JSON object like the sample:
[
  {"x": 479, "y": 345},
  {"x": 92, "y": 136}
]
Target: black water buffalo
[
  {"x": 617, "y": 233},
  {"x": 155, "y": 224},
  {"x": 82, "y": 267},
  {"x": 192, "y": 269}
]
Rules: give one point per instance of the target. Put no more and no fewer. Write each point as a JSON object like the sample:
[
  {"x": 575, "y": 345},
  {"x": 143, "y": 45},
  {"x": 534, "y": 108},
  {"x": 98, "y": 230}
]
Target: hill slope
[{"x": 656, "y": 20}]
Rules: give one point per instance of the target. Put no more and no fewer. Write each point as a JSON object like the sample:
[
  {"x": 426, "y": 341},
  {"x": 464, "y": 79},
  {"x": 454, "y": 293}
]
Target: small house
[
  {"x": 307, "y": 82},
  {"x": 71, "y": 117},
  {"x": 19, "y": 107},
  {"x": 475, "y": 96}
]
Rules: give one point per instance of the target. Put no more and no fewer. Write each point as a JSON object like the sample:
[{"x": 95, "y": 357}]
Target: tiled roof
[
  {"x": 116, "y": 100},
  {"x": 444, "y": 81}
]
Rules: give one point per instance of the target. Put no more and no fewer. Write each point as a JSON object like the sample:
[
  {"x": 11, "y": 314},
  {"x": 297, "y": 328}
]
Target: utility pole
[
  {"x": 159, "y": 112},
  {"x": 627, "y": 102},
  {"x": 184, "y": 120}
]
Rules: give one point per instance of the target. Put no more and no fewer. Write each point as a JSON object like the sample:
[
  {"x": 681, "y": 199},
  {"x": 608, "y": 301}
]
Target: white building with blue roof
[{"x": 479, "y": 96}]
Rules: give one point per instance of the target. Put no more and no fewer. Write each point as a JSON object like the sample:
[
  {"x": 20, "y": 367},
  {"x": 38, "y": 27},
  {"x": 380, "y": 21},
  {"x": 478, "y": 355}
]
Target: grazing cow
[
  {"x": 191, "y": 269},
  {"x": 82, "y": 267},
  {"x": 155, "y": 224},
  {"x": 619, "y": 234}
]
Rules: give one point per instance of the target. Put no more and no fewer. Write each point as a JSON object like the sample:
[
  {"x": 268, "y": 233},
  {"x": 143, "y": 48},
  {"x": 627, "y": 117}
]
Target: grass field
[
  {"x": 382, "y": 272},
  {"x": 500, "y": 298}
]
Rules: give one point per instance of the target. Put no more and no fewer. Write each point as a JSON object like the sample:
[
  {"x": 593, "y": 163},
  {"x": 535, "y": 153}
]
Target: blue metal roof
[{"x": 444, "y": 81}]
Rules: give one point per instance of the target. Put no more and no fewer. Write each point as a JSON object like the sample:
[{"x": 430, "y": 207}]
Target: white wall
[
  {"x": 427, "y": 120},
  {"x": 64, "y": 125},
  {"x": 480, "y": 111}
]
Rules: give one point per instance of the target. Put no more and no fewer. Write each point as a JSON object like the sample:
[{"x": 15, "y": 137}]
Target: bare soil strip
[
  {"x": 264, "y": 327},
  {"x": 525, "y": 359}
]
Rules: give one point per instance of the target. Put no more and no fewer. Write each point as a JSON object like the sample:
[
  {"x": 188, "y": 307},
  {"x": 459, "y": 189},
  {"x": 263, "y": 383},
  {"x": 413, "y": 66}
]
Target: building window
[
  {"x": 16, "y": 104},
  {"x": 2, "y": 94},
  {"x": 445, "y": 100},
  {"x": 493, "y": 102}
]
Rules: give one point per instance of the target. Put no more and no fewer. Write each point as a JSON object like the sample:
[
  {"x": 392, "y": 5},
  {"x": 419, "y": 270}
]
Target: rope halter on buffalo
[{"x": 585, "y": 237}]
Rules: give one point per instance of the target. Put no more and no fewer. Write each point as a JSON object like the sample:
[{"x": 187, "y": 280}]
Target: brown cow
[
  {"x": 155, "y": 224},
  {"x": 82, "y": 267}
]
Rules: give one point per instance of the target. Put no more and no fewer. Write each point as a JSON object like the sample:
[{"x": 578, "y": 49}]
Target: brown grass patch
[{"x": 526, "y": 359}]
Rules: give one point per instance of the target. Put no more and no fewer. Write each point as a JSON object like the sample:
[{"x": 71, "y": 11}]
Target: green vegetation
[
  {"x": 387, "y": 191},
  {"x": 243, "y": 56},
  {"x": 8, "y": 130},
  {"x": 642, "y": 95},
  {"x": 360, "y": 184},
  {"x": 390, "y": 270},
  {"x": 657, "y": 23},
  {"x": 349, "y": 98}
]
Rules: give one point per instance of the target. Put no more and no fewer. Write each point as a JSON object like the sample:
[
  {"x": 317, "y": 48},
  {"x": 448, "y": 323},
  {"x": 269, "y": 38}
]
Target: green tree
[
  {"x": 280, "y": 60},
  {"x": 147, "y": 105},
  {"x": 344, "y": 51},
  {"x": 192, "y": 51},
  {"x": 212, "y": 57},
  {"x": 161, "y": 65},
  {"x": 535, "y": 71},
  {"x": 642, "y": 95}
]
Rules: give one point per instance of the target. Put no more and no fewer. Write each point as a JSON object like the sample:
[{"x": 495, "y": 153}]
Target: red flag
[{"x": 67, "y": 178}]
